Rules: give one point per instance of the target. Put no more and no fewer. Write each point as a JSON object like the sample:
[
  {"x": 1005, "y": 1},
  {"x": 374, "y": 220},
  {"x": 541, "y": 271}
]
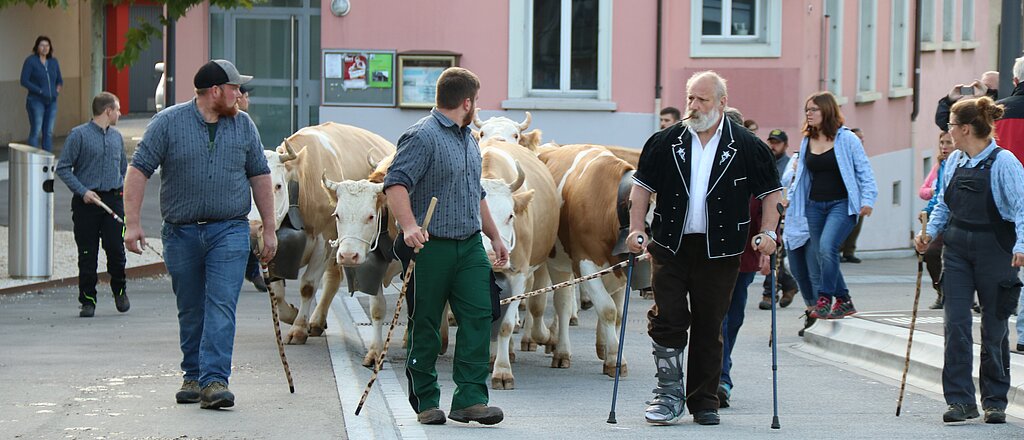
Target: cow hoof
[
  {"x": 296, "y": 337},
  {"x": 561, "y": 360},
  {"x": 609, "y": 370},
  {"x": 601, "y": 351},
  {"x": 316, "y": 330},
  {"x": 574, "y": 322},
  {"x": 586, "y": 304},
  {"x": 503, "y": 381},
  {"x": 287, "y": 313},
  {"x": 527, "y": 346},
  {"x": 370, "y": 358}
]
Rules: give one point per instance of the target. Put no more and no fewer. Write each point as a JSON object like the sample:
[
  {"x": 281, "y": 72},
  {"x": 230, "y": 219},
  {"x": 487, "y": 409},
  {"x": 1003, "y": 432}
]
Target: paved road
[{"x": 113, "y": 377}]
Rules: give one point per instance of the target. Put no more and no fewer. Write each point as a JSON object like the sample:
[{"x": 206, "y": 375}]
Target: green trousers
[{"x": 456, "y": 272}]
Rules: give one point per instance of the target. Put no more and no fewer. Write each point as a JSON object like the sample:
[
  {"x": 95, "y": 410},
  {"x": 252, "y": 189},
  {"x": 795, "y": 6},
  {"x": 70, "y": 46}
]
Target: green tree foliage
[{"x": 140, "y": 36}]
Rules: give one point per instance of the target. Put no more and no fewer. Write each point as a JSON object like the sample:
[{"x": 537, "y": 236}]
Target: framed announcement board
[
  {"x": 417, "y": 76},
  {"x": 356, "y": 77}
]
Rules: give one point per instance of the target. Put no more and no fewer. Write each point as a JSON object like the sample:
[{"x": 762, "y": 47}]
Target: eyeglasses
[
  {"x": 812, "y": 110},
  {"x": 951, "y": 125}
]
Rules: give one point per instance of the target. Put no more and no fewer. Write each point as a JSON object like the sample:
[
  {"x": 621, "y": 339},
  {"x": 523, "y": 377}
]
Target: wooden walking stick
[
  {"x": 265, "y": 271},
  {"x": 913, "y": 316},
  {"x": 398, "y": 309}
]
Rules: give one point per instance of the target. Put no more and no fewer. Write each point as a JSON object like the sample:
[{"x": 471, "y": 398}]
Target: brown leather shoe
[
  {"x": 480, "y": 413},
  {"x": 432, "y": 416}
]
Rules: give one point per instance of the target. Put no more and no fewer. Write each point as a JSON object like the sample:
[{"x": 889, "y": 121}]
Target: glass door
[{"x": 278, "y": 43}]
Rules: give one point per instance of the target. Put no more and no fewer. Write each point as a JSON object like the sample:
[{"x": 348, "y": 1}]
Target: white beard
[{"x": 702, "y": 122}]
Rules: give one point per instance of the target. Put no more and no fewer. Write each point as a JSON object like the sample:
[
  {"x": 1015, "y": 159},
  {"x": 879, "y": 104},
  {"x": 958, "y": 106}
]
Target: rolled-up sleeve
[
  {"x": 762, "y": 174},
  {"x": 411, "y": 161},
  {"x": 647, "y": 165},
  {"x": 150, "y": 152}
]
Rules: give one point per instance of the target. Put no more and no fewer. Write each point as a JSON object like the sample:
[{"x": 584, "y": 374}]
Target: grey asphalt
[{"x": 113, "y": 377}]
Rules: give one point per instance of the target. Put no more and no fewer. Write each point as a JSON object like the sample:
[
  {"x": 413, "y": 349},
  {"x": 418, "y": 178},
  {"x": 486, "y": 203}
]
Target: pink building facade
[{"x": 586, "y": 69}]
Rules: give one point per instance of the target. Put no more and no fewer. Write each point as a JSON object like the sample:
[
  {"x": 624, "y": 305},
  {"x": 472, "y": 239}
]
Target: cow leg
[
  {"x": 286, "y": 312},
  {"x": 309, "y": 282},
  {"x": 332, "y": 281},
  {"x": 536, "y": 305},
  {"x": 577, "y": 295},
  {"x": 607, "y": 339},
  {"x": 559, "y": 340},
  {"x": 501, "y": 376},
  {"x": 378, "y": 306}
]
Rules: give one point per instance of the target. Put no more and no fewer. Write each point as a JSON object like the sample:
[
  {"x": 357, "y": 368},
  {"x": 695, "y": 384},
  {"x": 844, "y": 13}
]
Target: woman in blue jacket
[
  {"x": 41, "y": 76},
  {"x": 834, "y": 186}
]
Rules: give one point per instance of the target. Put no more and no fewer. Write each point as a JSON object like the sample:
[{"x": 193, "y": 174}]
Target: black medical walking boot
[{"x": 668, "y": 403}]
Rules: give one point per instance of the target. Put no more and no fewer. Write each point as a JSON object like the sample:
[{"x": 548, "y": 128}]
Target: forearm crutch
[
  {"x": 913, "y": 316},
  {"x": 622, "y": 331},
  {"x": 398, "y": 309}
]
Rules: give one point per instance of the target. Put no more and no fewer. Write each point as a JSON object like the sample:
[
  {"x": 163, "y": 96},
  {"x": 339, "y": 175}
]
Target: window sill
[
  {"x": 900, "y": 92},
  {"x": 865, "y": 97},
  {"x": 558, "y": 104},
  {"x": 841, "y": 100},
  {"x": 969, "y": 45},
  {"x": 929, "y": 46},
  {"x": 950, "y": 45}
]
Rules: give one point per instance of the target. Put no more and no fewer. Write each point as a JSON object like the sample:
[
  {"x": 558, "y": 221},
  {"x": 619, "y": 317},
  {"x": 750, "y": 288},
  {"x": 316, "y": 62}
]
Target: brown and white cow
[
  {"x": 523, "y": 202},
  {"x": 336, "y": 151},
  {"x": 587, "y": 178},
  {"x": 504, "y": 129}
]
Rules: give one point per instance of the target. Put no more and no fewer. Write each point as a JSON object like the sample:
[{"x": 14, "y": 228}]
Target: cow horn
[
  {"x": 526, "y": 122},
  {"x": 328, "y": 183},
  {"x": 476, "y": 119},
  {"x": 370, "y": 160},
  {"x": 520, "y": 178},
  {"x": 289, "y": 152}
]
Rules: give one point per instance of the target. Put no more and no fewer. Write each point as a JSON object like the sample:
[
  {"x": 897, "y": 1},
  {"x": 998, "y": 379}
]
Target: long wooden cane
[
  {"x": 265, "y": 272},
  {"x": 121, "y": 221},
  {"x": 913, "y": 316},
  {"x": 377, "y": 366}
]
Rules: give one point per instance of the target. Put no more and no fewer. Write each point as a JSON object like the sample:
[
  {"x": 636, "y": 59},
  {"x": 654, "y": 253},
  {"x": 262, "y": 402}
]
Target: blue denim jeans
[
  {"x": 801, "y": 268},
  {"x": 207, "y": 265},
  {"x": 829, "y": 225},
  {"x": 42, "y": 114},
  {"x": 732, "y": 322}
]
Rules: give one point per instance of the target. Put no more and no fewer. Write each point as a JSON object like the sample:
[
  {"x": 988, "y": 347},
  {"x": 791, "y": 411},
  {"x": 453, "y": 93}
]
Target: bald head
[{"x": 990, "y": 79}]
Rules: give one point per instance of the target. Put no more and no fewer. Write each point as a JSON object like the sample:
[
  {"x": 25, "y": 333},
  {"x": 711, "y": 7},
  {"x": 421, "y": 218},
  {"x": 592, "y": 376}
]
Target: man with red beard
[
  {"x": 209, "y": 155},
  {"x": 704, "y": 171}
]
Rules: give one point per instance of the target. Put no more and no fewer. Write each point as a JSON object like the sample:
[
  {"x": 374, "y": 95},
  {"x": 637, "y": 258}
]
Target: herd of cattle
[{"x": 555, "y": 207}]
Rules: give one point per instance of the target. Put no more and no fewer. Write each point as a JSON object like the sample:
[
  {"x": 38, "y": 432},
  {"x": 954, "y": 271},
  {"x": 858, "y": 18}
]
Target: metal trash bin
[{"x": 30, "y": 210}]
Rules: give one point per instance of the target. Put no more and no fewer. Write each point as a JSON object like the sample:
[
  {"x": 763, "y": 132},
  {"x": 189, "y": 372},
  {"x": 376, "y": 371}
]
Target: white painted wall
[{"x": 890, "y": 224}]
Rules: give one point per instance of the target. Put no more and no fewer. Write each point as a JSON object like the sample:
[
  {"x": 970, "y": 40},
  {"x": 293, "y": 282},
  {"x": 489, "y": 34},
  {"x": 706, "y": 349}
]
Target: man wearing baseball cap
[
  {"x": 209, "y": 155},
  {"x": 779, "y": 143}
]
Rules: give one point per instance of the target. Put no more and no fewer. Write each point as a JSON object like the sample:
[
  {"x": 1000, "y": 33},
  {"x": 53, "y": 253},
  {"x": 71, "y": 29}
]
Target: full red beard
[
  {"x": 223, "y": 109},
  {"x": 468, "y": 119}
]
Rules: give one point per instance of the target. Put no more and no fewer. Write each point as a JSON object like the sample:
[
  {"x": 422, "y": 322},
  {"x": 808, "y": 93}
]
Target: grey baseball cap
[{"x": 217, "y": 72}]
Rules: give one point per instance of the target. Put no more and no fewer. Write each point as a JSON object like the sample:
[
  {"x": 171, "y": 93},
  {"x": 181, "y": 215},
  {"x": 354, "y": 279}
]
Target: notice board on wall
[{"x": 358, "y": 77}]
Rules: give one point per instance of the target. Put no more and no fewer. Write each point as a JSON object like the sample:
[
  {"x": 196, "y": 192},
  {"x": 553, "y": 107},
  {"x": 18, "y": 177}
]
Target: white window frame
[
  {"x": 967, "y": 32},
  {"x": 867, "y": 52},
  {"x": 928, "y": 26},
  {"x": 949, "y": 25},
  {"x": 834, "y": 66},
  {"x": 899, "y": 50},
  {"x": 520, "y": 62},
  {"x": 766, "y": 42}
]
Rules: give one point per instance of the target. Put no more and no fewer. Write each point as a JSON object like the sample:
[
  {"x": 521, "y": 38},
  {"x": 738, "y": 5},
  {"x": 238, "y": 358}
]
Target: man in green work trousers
[{"x": 439, "y": 157}]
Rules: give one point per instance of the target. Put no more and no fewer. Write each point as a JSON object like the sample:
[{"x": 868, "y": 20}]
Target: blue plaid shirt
[{"x": 93, "y": 159}]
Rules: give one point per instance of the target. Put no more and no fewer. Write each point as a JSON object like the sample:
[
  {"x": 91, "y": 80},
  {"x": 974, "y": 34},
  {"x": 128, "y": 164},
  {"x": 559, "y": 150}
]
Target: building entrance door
[{"x": 278, "y": 43}]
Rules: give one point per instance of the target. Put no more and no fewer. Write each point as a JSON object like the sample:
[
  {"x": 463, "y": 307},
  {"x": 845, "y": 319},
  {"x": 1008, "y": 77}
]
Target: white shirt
[{"x": 702, "y": 157}]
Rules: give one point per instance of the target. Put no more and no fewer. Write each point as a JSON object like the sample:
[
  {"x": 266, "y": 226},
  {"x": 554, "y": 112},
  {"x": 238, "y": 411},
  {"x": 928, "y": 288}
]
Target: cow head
[
  {"x": 502, "y": 128},
  {"x": 505, "y": 204},
  {"x": 279, "y": 177},
  {"x": 359, "y": 207}
]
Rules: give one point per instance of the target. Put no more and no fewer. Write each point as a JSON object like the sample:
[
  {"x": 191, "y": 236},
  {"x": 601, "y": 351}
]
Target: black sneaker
[
  {"x": 842, "y": 308},
  {"x": 976, "y": 307},
  {"x": 1020, "y": 347},
  {"x": 432, "y": 416},
  {"x": 994, "y": 415},
  {"x": 706, "y": 417},
  {"x": 823, "y": 309},
  {"x": 959, "y": 412},
  {"x": 480, "y": 413},
  {"x": 850, "y": 259},
  {"x": 808, "y": 322},
  {"x": 88, "y": 310},
  {"x": 766, "y": 302},
  {"x": 121, "y": 301},
  {"x": 216, "y": 395},
  {"x": 189, "y": 392}
]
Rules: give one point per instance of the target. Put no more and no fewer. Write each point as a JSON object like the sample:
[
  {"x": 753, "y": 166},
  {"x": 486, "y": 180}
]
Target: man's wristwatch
[{"x": 771, "y": 235}]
